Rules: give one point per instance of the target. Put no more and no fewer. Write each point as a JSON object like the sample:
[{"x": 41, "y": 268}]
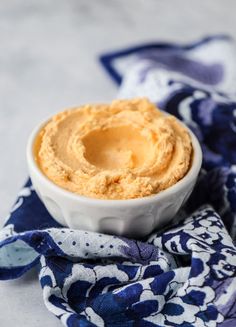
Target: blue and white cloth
[{"x": 184, "y": 275}]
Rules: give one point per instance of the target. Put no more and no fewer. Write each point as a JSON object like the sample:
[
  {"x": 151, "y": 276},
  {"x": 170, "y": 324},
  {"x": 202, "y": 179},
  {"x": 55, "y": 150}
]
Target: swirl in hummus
[{"x": 128, "y": 149}]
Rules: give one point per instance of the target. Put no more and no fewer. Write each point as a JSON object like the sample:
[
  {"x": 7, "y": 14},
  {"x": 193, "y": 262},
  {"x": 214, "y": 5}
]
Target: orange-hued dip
[{"x": 124, "y": 150}]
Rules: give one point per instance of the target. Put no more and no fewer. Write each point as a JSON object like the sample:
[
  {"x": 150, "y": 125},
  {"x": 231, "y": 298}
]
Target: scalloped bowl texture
[{"x": 132, "y": 218}]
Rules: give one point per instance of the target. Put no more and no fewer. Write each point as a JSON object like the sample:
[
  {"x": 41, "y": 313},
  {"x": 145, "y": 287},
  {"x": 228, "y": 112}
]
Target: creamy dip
[{"x": 124, "y": 150}]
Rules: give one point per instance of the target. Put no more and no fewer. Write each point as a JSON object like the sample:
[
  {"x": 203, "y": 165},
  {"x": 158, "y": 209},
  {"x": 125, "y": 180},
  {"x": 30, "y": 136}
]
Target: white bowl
[{"x": 133, "y": 217}]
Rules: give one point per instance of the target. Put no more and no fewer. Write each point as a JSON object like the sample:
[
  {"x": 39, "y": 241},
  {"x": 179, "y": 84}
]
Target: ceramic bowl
[{"x": 132, "y": 218}]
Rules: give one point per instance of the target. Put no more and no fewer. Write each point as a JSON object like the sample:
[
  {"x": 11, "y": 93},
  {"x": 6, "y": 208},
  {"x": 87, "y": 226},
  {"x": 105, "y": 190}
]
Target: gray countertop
[{"x": 49, "y": 61}]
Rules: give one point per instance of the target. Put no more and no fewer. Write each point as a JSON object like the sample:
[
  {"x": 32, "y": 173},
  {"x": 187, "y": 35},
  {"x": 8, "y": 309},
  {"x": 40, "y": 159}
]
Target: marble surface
[{"x": 49, "y": 60}]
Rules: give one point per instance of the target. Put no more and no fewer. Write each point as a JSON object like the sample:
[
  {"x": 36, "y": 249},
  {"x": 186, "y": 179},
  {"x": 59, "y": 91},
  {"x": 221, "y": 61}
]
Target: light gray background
[{"x": 48, "y": 61}]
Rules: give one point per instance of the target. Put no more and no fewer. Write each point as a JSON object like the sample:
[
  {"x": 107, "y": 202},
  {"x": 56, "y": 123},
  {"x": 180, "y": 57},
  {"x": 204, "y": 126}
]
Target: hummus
[{"x": 128, "y": 149}]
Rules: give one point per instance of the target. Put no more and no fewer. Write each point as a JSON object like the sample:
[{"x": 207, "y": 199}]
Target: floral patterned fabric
[{"x": 184, "y": 275}]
